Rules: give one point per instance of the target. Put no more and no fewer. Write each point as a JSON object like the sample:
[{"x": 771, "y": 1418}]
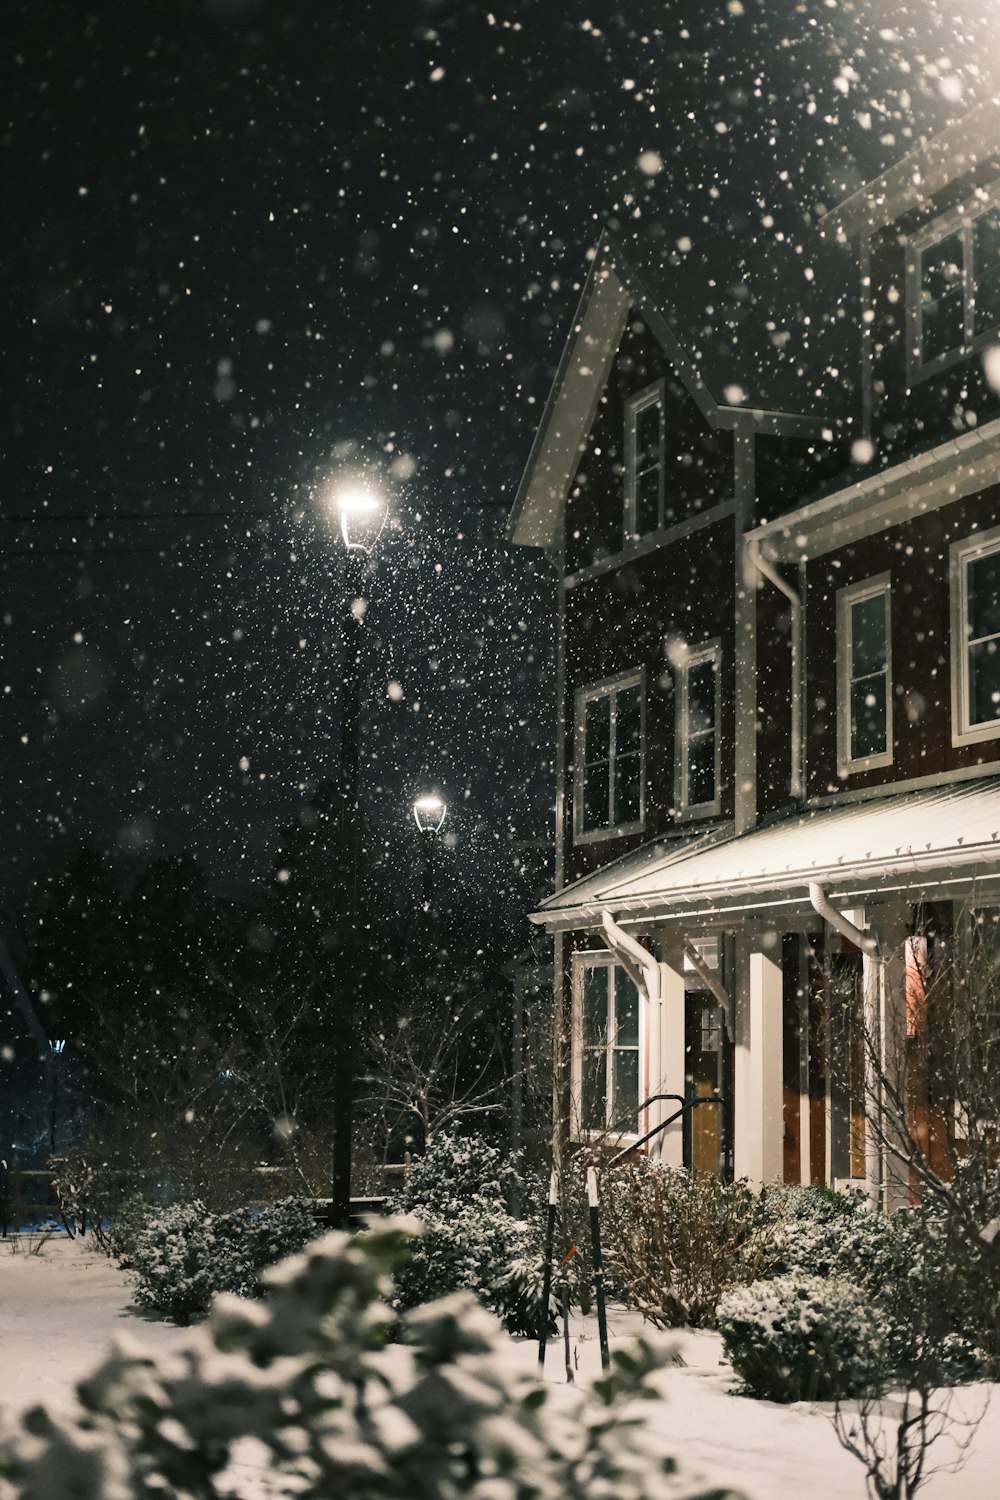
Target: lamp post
[
  {"x": 56, "y": 1046},
  {"x": 361, "y": 514},
  {"x": 429, "y": 813}
]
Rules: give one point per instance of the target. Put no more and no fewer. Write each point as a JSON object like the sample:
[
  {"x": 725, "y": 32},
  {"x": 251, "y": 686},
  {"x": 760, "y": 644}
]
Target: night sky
[{"x": 248, "y": 244}]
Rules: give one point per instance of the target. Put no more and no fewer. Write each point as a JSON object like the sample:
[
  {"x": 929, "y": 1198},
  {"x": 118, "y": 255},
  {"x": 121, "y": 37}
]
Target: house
[{"x": 778, "y": 695}]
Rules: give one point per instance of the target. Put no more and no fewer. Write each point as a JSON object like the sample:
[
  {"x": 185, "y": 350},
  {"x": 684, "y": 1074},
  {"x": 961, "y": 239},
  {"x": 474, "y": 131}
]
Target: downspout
[
  {"x": 640, "y": 966},
  {"x": 840, "y": 923},
  {"x": 771, "y": 573},
  {"x": 712, "y": 983}
]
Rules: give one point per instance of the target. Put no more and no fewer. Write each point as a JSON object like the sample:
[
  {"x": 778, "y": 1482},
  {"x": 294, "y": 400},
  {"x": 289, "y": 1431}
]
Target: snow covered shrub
[
  {"x": 184, "y": 1256},
  {"x": 321, "y": 1390},
  {"x": 122, "y": 1233},
  {"x": 677, "y": 1242},
  {"x": 802, "y": 1338},
  {"x": 469, "y": 1241}
]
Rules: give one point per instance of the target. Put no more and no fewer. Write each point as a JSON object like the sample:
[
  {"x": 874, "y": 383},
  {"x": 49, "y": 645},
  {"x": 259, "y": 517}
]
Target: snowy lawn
[{"x": 60, "y": 1309}]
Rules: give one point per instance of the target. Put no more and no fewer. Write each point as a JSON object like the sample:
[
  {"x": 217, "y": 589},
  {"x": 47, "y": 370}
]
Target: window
[
  {"x": 608, "y": 778},
  {"x": 864, "y": 668},
  {"x": 644, "y": 463},
  {"x": 696, "y": 786},
  {"x": 975, "y": 638},
  {"x": 953, "y": 288},
  {"x": 607, "y": 1050}
]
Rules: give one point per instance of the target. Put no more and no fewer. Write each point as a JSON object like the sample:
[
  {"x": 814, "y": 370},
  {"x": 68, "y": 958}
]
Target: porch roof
[{"x": 940, "y": 841}]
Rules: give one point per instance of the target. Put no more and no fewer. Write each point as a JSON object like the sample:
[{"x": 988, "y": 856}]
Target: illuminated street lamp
[
  {"x": 56, "y": 1046},
  {"x": 429, "y": 813},
  {"x": 361, "y": 512}
]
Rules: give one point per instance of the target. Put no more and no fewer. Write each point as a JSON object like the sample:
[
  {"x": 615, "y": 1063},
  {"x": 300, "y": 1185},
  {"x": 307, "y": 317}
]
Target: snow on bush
[
  {"x": 469, "y": 1241},
  {"x": 321, "y": 1390},
  {"x": 181, "y": 1258},
  {"x": 802, "y": 1338}
]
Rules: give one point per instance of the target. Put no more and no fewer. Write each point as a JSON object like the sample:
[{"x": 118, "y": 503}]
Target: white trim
[
  {"x": 969, "y": 549},
  {"x": 651, "y": 541},
  {"x": 857, "y": 593},
  {"x": 911, "y": 784},
  {"x": 959, "y": 220},
  {"x": 710, "y": 651},
  {"x": 633, "y": 677},
  {"x": 651, "y": 395},
  {"x": 581, "y": 961}
]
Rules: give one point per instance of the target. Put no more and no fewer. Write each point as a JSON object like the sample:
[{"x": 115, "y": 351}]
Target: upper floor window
[
  {"x": 608, "y": 760},
  {"x": 644, "y": 462},
  {"x": 953, "y": 288},
  {"x": 606, "y": 1051},
  {"x": 696, "y": 788},
  {"x": 975, "y": 637},
  {"x": 864, "y": 668}
]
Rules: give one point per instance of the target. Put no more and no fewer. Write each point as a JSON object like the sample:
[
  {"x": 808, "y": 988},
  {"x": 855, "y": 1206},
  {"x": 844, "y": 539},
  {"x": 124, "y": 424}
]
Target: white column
[
  {"x": 889, "y": 997},
  {"x": 669, "y": 1077},
  {"x": 759, "y": 1087}
]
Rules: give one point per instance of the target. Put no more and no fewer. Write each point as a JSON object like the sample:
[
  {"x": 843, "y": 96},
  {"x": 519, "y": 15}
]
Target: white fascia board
[
  {"x": 910, "y": 183},
  {"x": 569, "y": 411},
  {"x": 948, "y": 472}
]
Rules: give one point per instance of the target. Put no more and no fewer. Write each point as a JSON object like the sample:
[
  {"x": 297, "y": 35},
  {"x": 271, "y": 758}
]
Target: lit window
[
  {"x": 608, "y": 780},
  {"x": 954, "y": 288},
  {"x": 975, "y": 637},
  {"x": 607, "y": 1031},
  {"x": 644, "y": 463},
  {"x": 697, "y": 764},
  {"x": 864, "y": 662}
]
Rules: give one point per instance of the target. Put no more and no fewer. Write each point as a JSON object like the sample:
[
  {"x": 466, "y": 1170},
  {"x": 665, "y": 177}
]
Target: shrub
[
  {"x": 184, "y": 1256},
  {"x": 800, "y": 1338},
  {"x": 122, "y": 1233},
  {"x": 677, "y": 1243},
  {"x": 299, "y": 1395}
]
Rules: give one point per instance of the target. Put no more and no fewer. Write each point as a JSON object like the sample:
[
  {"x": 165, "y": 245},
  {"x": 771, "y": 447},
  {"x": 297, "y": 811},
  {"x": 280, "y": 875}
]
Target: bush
[
  {"x": 122, "y": 1233},
  {"x": 299, "y": 1395},
  {"x": 184, "y": 1256},
  {"x": 800, "y": 1338},
  {"x": 677, "y": 1243}
]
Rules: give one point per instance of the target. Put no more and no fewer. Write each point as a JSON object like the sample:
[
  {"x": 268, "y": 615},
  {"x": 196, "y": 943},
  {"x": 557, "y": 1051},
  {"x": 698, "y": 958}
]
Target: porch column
[
  {"x": 668, "y": 1076},
  {"x": 759, "y": 1113},
  {"x": 889, "y": 925}
]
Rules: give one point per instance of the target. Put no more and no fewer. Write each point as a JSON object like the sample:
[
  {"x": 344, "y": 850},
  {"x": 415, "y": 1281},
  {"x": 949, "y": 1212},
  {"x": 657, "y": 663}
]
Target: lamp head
[
  {"x": 57, "y": 1044},
  {"x": 362, "y": 514},
  {"x": 429, "y": 813}
]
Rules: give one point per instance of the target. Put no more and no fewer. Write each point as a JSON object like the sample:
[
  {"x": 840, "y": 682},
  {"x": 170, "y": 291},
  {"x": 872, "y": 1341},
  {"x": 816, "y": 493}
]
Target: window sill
[
  {"x": 976, "y": 734},
  {"x": 599, "y": 835}
]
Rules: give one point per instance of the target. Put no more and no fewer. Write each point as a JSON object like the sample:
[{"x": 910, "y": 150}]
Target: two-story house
[{"x": 778, "y": 692}]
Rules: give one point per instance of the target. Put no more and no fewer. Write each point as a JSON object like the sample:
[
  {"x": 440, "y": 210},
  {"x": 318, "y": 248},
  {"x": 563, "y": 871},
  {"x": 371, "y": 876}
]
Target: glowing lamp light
[
  {"x": 362, "y": 515},
  {"x": 429, "y": 813},
  {"x": 57, "y": 1045}
]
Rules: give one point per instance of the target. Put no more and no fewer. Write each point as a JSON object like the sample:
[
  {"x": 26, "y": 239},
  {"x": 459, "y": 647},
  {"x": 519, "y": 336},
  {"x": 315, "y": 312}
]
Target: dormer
[{"x": 928, "y": 238}]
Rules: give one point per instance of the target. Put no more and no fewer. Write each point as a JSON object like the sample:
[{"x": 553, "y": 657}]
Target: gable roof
[
  {"x": 613, "y": 287},
  {"x": 910, "y": 183}
]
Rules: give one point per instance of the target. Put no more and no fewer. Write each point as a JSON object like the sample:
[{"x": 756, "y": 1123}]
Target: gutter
[
  {"x": 640, "y": 966},
  {"x": 770, "y": 572},
  {"x": 840, "y": 923}
]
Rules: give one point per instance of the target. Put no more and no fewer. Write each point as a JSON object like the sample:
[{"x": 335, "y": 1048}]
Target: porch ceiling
[{"x": 935, "y": 842}]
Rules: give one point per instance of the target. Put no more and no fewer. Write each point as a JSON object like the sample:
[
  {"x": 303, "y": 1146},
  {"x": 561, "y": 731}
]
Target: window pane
[
  {"x": 868, "y": 720},
  {"x": 595, "y": 797},
  {"x": 626, "y": 1090},
  {"x": 628, "y": 720},
  {"x": 868, "y": 636},
  {"x": 594, "y": 1105},
  {"x": 595, "y": 1006},
  {"x": 647, "y": 436},
  {"x": 701, "y": 697},
  {"x": 986, "y": 268},
  {"x": 597, "y": 729},
  {"x": 647, "y": 501},
  {"x": 626, "y": 1011},
  {"x": 627, "y": 789},
  {"x": 984, "y": 682},
  {"x": 701, "y": 770},
  {"x": 943, "y": 297},
  {"x": 984, "y": 596}
]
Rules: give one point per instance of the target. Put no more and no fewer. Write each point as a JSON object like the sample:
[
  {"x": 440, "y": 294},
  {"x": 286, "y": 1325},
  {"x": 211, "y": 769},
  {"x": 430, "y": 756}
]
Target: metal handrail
[{"x": 685, "y": 1105}]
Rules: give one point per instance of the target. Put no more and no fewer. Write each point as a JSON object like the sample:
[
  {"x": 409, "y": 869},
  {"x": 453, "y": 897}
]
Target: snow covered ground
[{"x": 59, "y": 1309}]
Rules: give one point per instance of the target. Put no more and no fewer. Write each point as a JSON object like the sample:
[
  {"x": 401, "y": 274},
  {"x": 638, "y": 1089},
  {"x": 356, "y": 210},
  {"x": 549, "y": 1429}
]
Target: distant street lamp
[
  {"x": 429, "y": 813},
  {"x": 362, "y": 514},
  {"x": 56, "y": 1046}
]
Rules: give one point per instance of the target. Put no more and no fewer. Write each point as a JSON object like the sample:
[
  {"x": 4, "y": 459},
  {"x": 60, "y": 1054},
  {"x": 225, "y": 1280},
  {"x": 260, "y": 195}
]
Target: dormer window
[
  {"x": 644, "y": 462},
  {"x": 953, "y": 290}
]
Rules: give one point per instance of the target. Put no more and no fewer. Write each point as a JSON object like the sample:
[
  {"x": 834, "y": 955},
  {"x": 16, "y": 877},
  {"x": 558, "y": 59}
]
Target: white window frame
[
  {"x": 602, "y": 959},
  {"x": 635, "y": 677},
  {"x": 959, "y": 219},
  {"x": 650, "y": 396},
  {"x": 880, "y": 584},
  {"x": 969, "y": 549},
  {"x": 709, "y": 651}
]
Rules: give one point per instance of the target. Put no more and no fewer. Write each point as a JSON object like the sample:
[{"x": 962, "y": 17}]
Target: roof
[
  {"x": 612, "y": 288},
  {"x": 941, "y": 840},
  {"x": 911, "y": 182}
]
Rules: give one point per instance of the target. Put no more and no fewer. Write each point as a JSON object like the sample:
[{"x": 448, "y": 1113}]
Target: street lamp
[
  {"x": 56, "y": 1046},
  {"x": 361, "y": 512},
  {"x": 429, "y": 812}
]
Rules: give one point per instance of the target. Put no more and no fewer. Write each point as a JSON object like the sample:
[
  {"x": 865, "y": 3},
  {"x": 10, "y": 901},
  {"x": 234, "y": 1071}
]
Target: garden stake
[
  {"x": 564, "y": 1291},
  {"x": 595, "y": 1244},
  {"x": 550, "y": 1231}
]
